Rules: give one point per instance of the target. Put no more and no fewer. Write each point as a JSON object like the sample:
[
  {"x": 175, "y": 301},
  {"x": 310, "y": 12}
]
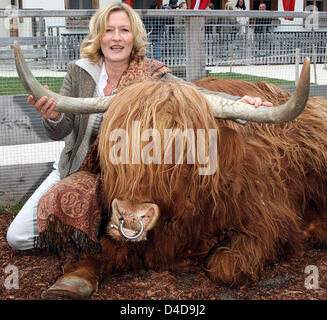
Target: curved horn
[
  {"x": 229, "y": 109},
  {"x": 63, "y": 104}
]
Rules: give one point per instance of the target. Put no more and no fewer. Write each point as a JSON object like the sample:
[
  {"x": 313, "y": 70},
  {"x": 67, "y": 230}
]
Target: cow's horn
[
  {"x": 63, "y": 104},
  {"x": 229, "y": 109}
]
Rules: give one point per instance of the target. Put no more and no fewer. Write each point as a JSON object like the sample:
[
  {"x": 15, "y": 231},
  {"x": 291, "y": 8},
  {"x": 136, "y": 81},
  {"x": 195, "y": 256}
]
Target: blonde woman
[{"x": 116, "y": 44}]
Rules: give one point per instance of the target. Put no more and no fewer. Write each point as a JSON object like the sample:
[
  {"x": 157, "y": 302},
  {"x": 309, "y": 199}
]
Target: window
[{"x": 81, "y": 4}]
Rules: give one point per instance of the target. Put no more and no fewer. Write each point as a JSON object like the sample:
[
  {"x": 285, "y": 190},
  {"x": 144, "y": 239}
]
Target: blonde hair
[{"x": 91, "y": 48}]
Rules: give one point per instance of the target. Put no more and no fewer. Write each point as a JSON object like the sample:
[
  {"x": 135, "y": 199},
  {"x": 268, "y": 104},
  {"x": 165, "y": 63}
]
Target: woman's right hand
[{"x": 45, "y": 107}]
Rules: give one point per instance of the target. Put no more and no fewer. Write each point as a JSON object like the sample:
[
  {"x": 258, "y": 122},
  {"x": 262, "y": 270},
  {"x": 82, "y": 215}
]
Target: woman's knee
[{"x": 19, "y": 239}]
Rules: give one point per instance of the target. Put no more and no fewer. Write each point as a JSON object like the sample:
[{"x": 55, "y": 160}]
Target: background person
[
  {"x": 262, "y": 28},
  {"x": 228, "y": 24},
  {"x": 182, "y": 5},
  {"x": 199, "y": 4},
  {"x": 243, "y": 21},
  {"x": 173, "y": 4},
  {"x": 154, "y": 27},
  {"x": 210, "y": 6},
  {"x": 263, "y": 24}
]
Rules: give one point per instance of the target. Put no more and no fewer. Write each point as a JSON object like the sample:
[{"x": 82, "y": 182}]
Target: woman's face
[
  {"x": 240, "y": 2},
  {"x": 117, "y": 42}
]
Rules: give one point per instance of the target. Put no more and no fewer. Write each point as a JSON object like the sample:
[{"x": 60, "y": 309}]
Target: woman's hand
[
  {"x": 256, "y": 101},
  {"x": 45, "y": 107}
]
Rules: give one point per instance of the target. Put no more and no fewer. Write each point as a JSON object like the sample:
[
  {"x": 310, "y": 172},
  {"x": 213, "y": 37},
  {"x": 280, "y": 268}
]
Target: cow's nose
[{"x": 133, "y": 213}]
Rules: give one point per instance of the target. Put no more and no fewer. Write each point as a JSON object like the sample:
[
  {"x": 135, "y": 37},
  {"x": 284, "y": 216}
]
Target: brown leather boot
[{"x": 70, "y": 288}]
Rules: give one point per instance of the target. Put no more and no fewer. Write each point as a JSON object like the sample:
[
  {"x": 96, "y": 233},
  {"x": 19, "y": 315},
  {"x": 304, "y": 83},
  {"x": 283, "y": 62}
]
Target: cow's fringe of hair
[{"x": 176, "y": 107}]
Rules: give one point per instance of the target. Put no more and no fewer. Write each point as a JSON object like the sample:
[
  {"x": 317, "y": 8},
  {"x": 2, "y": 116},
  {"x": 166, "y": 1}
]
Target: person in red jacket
[{"x": 199, "y": 4}]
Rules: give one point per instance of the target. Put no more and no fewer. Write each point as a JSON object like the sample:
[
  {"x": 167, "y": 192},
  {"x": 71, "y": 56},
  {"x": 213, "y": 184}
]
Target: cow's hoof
[{"x": 72, "y": 288}]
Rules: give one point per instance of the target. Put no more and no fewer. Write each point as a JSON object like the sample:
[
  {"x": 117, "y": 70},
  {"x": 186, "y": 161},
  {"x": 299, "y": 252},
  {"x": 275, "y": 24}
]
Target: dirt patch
[{"x": 38, "y": 271}]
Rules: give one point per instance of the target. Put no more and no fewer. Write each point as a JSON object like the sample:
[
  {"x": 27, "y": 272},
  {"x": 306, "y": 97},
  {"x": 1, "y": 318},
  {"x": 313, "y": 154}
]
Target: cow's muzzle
[{"x": 131, "y": 220}]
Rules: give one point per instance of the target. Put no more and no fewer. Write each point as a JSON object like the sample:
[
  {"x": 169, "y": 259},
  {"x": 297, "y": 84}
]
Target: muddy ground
[{"x": 37, "y": 271}]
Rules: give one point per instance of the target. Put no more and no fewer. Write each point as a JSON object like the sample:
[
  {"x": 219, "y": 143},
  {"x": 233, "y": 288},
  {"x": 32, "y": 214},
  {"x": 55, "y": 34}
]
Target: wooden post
[
  {"x": 314, "y": 56},
  {"x": 13, "y": 27},
  {"x": 195, "y": 48},
  {"x": 230, "y": 58},
  {"x": 297, "y": 67}
]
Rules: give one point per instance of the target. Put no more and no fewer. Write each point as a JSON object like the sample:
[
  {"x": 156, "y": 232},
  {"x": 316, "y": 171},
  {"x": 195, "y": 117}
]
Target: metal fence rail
[
  {"x": 269, "y": 48},
  {"x": 199, "y": 38}
]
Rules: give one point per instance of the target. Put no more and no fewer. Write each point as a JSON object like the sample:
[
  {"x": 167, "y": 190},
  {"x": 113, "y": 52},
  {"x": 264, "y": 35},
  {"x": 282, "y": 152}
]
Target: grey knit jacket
[{"x": 80, "y": 81}]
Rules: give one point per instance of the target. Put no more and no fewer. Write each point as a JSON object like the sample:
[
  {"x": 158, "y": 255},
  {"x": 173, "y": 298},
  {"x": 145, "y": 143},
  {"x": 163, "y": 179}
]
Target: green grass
[
  {"x": 12, "y": 85},
  {"x": 247, "y": 77},
  {"x": 15, "y": 208}
]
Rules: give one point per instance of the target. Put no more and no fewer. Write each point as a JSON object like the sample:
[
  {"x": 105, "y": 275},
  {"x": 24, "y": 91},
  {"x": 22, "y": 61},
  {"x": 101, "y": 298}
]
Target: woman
[
  {"x": 243, "y": 21},
  {"x": 113, "y": 56}
]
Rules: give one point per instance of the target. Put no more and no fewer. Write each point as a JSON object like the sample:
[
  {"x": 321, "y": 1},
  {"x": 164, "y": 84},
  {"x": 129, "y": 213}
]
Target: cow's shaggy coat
[{"x": 266, "y": 197}]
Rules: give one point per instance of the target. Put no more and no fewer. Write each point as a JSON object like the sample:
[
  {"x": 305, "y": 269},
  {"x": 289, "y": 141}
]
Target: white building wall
[
  {"x": 44, "y": 4},
  {"x": 104, "y": 2},
  {"x": 4, "y": 23},
  {"x": 4, "y": 3},
  {"x": 51, "y": 5}
]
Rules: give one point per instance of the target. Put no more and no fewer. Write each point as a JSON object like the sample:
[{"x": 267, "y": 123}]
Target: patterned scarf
[{"x": 71, "y": 210}]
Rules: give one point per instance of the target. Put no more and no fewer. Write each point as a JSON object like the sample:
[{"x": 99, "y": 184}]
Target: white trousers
[{"x": 23, "y": 231}]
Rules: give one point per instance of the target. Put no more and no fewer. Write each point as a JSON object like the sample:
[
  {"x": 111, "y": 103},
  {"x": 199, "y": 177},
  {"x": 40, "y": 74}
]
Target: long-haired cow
[{"x": 264, "y": 195}]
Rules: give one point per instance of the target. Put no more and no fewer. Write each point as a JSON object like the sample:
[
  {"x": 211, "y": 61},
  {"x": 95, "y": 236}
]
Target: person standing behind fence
[
  {"x": 262, "y": 28},
  {"x": 168, "y": 27},
  {"x": 243, "y": 21},
  {"x": 262, "y": 24},
  {"x": 173, "y": 4},
  {"x": 209, "y": 6},
  {"x": 228, "y": 24},
  {"x": 153, "y": 26},
  {"x": 182, "y": 6},
  {"x": 199, "y": 4},
  {"x": 210, "y": 21}
]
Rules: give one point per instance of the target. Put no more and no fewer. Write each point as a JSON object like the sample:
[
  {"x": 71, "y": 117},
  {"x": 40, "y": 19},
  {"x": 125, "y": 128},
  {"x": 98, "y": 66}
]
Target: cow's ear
[{"x": 231, "y": 149}]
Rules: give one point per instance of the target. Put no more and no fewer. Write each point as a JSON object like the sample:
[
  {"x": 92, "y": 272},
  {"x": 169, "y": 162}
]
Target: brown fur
[{"x": 255, "y": 207}]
